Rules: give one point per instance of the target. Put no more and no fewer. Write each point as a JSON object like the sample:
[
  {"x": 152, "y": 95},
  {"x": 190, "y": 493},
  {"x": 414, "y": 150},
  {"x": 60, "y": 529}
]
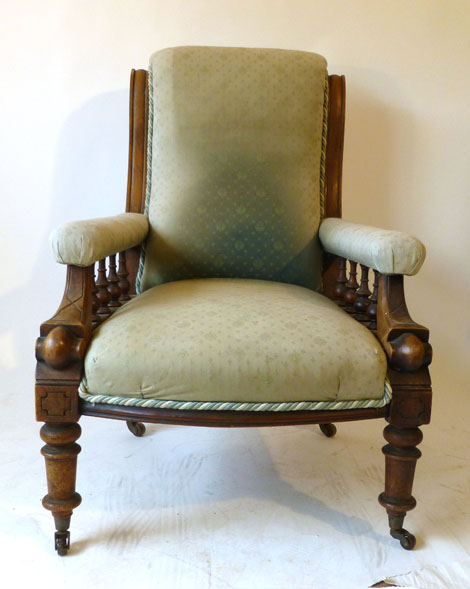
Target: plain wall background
[{"x": 64, "y": 121}]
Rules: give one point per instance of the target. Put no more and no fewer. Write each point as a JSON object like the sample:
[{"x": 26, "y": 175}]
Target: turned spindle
[
  {"x": 340, "y": 286},
  {"x": 371, "y": 312},
  {"x": 113, "y": 284},
  {"x": 102, "y": 295},
  {"x": 363, "y": 294},
  {"x": 123, "y": 283},
  {"x": 352, "y": 285},
  {"x": 94, "y": 302}
]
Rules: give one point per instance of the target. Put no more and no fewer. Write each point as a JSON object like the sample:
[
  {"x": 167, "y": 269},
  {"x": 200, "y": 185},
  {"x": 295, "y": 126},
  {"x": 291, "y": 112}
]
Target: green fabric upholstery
[
  {"x": 235, "y": 165},
  {"x": 81, "y": 243},
  {"x": 229, "y": 340},
  {"x": 389, "y": 252}
]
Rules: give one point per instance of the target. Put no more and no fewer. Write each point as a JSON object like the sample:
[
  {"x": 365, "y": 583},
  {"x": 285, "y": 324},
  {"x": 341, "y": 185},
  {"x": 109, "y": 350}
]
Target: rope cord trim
[
  {"x": 323, "y": 149},
  {"x": 148, "y": 179}
]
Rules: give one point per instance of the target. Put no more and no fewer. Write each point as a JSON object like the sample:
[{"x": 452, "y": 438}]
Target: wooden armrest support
[
  {"x": 64, "y": 337},
  {"x": 409, "y": 353},
  {"x": 61, "y": 347},
  {"x": 383, "y": 310},
  {"x": 405, "y": 342}
]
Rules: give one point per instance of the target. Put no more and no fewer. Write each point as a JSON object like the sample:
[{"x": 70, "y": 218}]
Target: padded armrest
[
  {"x": 80, "y": 243},
  {"x": 389, "y": 252}
]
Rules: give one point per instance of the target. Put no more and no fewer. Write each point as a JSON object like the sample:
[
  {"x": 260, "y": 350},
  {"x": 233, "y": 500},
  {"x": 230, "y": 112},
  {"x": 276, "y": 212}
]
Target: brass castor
[
  {"x": 62, "y": 542},
  {"x": 407, "y": 540},
  {"x": 137, "y": 428},
  {"x": 328, "y": 429}
]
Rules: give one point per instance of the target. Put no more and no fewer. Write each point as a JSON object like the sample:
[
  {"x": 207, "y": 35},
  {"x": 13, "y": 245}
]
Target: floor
[{"x": 276, "y": 508}]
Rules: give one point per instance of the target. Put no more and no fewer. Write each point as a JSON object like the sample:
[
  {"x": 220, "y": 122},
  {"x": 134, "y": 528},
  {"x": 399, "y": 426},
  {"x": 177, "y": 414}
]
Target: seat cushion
[
  {"x": 235, "y": 165},
  {"x": 234, "y": 341}
]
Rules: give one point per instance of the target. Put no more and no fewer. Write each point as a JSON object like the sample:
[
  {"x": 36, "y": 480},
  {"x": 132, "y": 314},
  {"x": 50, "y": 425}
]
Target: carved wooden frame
[{"x": 61, "y": 347}]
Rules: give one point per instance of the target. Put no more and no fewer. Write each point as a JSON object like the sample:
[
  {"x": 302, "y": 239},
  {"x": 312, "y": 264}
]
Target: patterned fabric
[
  {"x": 231, "y": 406},
  {"x": 236, "y": 156},
  {"x": 234, "y": 341},
  {"x": 389, "y": 252},
  {"x": 81, "y": 243}
]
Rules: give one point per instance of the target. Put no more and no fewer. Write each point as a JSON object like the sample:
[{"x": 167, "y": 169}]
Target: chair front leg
[
  {"x": 409, "y": 354},
  {"x": 60, "y": 453},
  {"x": 401, "y": 455},
  {"x": 60, "y": 351}
]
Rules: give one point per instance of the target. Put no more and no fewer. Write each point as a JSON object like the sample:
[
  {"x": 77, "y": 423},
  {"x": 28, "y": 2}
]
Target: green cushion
[
  {"x": 389, "y": 252},
  {"x": 234, "y": 341},
  {"x": 80, "y": 243},
  {"x": 235, "y": 164}
]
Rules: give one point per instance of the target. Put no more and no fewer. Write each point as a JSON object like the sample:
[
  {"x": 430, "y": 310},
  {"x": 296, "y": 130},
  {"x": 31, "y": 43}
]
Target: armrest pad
[
  {"x": 389, "y": 252},
  {"x": 80, "y": 243}
]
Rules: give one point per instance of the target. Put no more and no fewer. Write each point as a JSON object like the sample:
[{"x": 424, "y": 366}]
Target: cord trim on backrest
[{"x": 148, "y": 180}]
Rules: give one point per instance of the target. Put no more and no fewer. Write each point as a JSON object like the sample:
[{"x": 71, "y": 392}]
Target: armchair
[{"x": 227, "y": 294}]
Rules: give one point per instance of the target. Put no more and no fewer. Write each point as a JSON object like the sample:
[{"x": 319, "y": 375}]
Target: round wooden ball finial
[
  {"x": 409, "y": 353},
  {"x": 59, "y": 348}
]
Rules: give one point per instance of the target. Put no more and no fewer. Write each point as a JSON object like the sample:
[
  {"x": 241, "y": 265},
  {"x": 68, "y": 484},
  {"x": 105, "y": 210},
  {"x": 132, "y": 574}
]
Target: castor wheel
[
  {"x": 328, "y": 429},
  {"x": 136, "y": 427},
  {"x": 407, "y": 540},
  {"x": 62, "y": 542}
]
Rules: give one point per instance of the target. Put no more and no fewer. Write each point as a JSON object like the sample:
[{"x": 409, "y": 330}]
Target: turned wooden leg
[
  {"x": 136, "y": 427},
  {"x": 61, "y": 453},
  {"x": 401, "y": 455},
  {"x": 328, "y": 429}
]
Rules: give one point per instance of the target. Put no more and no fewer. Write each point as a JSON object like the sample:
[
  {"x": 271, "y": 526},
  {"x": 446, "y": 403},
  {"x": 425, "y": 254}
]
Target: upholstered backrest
[{"x": 235, "y": 165}]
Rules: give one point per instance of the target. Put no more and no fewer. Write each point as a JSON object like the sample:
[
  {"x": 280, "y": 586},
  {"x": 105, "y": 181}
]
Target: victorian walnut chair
[{"x": 235, "y": 301}]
